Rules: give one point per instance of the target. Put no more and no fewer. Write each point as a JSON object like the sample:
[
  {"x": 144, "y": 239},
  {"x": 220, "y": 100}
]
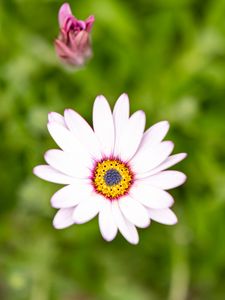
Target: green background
[{"x": 169, "y": 56}]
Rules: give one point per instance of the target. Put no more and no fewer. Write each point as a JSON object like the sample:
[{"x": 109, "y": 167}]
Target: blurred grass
[{"x": 169, "y": 56}]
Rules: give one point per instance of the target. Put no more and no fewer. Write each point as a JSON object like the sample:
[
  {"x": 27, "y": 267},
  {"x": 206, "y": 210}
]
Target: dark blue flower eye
[{"x": 112, "y": 177}]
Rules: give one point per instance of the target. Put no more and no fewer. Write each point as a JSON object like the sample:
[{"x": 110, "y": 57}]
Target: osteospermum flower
[
  {"x": 115, "y": 170},
  {"x": 73, "y": 45}
]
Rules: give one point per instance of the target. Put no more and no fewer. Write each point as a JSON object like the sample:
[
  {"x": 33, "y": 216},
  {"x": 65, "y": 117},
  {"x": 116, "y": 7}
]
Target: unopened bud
[{"x": 73, "y": 45}]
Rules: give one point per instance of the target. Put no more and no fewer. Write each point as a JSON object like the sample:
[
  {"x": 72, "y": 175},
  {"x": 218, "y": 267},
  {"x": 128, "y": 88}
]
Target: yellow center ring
[{"x": 111, "y": 187}]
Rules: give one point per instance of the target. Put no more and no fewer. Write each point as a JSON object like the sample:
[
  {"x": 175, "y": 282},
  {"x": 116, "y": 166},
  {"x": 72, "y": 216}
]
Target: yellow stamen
[{"x": 112, "y": 191}]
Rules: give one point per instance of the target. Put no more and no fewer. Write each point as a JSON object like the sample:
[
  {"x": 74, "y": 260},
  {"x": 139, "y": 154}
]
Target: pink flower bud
[{"x": 73, "y": 45}]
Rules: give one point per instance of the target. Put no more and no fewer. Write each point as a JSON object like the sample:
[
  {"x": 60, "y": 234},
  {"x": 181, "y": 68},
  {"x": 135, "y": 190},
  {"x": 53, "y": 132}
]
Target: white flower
[{"x": 116, "y": 171}]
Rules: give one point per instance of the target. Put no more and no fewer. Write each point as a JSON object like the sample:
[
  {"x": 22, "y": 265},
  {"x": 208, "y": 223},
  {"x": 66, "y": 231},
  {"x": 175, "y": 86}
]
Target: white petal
[
  {"x": 169, "y": 162},
  {"x": 87, "y": 209},
  {"x": 63, "y": 218},
  {"x": 103, "y": 125},
  {"x": 48, "y": 173},
  {"x": 127, "y": 229},
  {"x": 83, "y": 131},
  {"x": 144, "y": 161},
  {"x": 151, "y": 196},
  {"x": 131, "y": 136},
  {"x": 121, "y": 118},
  {"x": 65, "y": 139},
  {"x": 107, "y": 223},
  {"x": 165, "y": 180},
  {"x": 70, "y": 164},
  {"x": 71, "y": 195},
  {"x": 155, "y": 134},
  {"x": 164, "y": 216},
  {"x": 135, "y": 212},
  {"x": 54, "y": 117}
]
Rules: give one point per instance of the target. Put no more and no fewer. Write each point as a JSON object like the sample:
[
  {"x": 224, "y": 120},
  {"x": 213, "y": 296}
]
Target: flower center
[{"x": 112, "y": 178}]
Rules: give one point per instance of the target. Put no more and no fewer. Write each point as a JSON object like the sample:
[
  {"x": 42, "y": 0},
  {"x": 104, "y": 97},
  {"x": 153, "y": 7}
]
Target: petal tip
[
  {"x": 134, "y": 242},
  {"x": 140, "y": 116},
  {"x": 141, "y": 112},
  {"x": 181, "y": 156},
  {"x": 147, "y": 224},
  {"x": 55, "y": 225},
  {"x": 37, "y": 171},
  {"x": 91, "y": 18},
  {"x": 185, "y": 155},
  {"x": 125, "y": 95},
  {"x": 52, "y": 202},
  {"x": 100, "y": 98},
  {"x": 108, "y": 239},
  {"x": 67, "y": 112},
  {"x": 170, "y": 145},
  {"x": 64, "y": 13},
  {"x": 166, "y": 124},
  {"x": 34, "y": 171},
  {"x": 171, "y": 202},
  {"x": 51, "y": 116},
  {"x": 173, "y": 222},
  {"x": 64, "y": 9},
  {"x": 46, "y": 154},
  {"x": 184, "y": 179}
]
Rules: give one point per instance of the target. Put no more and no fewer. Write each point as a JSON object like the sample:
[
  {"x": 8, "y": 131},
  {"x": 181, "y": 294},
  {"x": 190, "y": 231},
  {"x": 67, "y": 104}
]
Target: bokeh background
[{"x": 169, "y": 56}]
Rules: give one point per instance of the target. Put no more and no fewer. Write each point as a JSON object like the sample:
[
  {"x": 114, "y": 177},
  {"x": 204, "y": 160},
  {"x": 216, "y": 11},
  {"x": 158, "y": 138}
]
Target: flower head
[
  {"x": 73, "y": 45},
  {"x": 116, "y": 170}
]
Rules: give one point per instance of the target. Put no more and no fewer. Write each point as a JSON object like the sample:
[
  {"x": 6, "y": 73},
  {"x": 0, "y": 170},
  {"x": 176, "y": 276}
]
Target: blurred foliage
[{"x": 169, "y": 56}]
